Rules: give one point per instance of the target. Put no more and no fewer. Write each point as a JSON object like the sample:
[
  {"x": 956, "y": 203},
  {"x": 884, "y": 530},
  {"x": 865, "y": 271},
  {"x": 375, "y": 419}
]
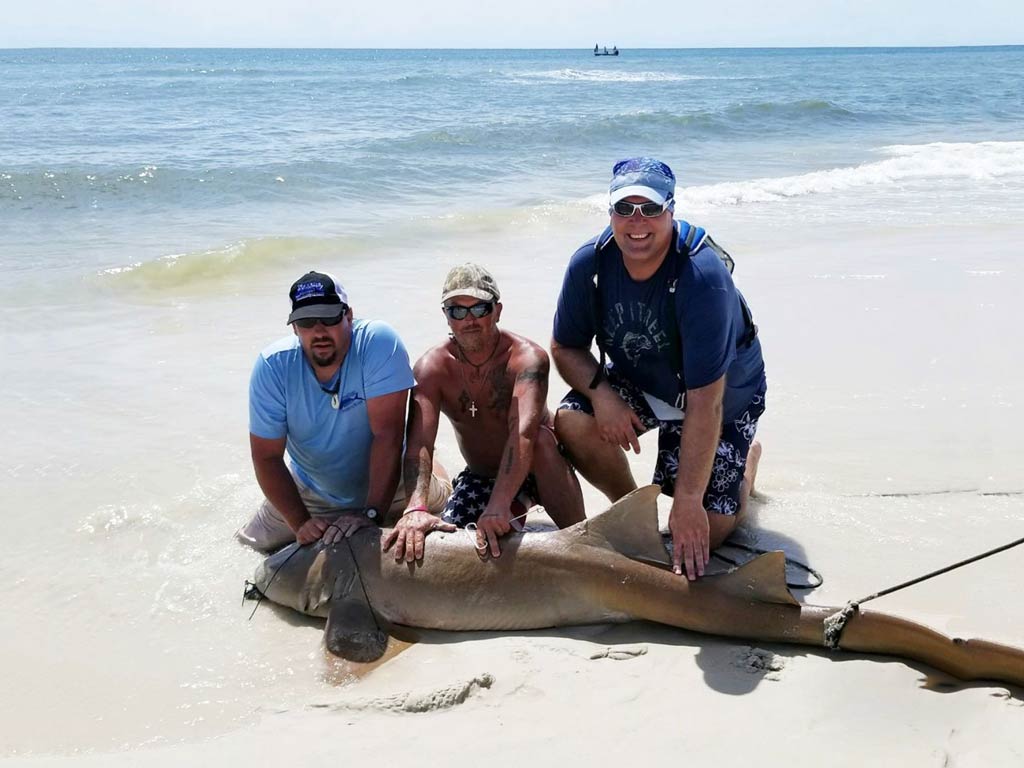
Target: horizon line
[{"x": 530, "y": 48}]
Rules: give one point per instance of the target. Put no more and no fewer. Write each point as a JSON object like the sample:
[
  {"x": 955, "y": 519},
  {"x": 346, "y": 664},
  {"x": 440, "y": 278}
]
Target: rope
[
  {"x": 816, "y": 578},
  {"x": 470, "y": 530},
  {"x": 252, "y": 592},
  {"x": 359, "y": 575},
  {"x": 941, "y": 571},
  {"x": 251, "y": 589},
  {"x": 836, "y": 623}
]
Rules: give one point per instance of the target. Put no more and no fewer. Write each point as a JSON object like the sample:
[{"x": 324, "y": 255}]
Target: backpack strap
[
  {"x": 596, "y": 306},
  {"x": 689, "y": 240},
  {"x": 685, "y": 241}
]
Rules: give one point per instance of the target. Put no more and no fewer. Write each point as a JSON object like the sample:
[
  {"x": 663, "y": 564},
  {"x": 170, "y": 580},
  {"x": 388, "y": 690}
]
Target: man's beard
[
  {"x": 475, "y": 342},
  {"x": 323, "y": 359}
]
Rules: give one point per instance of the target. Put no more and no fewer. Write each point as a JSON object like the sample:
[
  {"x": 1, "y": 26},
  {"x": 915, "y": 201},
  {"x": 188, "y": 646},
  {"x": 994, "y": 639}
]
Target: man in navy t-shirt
[{"x": 684, "y": 357}]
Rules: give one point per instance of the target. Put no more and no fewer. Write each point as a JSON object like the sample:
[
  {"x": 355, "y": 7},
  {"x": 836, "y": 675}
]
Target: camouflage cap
[{"x": 470, "y": 280}]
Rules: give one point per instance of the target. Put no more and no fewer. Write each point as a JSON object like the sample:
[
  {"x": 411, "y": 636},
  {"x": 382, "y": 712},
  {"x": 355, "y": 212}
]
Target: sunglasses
[
  {"x": 310, "y": 322},
  {"x": 647, "y": 210},
  {"x": 480, "y": 309}
]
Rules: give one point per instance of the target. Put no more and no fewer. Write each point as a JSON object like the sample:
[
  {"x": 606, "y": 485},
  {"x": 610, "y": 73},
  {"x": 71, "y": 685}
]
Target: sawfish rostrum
[{"x": 608, "y": 568}]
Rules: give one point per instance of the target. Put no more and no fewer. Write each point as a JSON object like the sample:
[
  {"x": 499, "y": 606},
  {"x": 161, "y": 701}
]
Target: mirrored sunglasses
[
  {"x": 480, "y": 309},
  {"x": 648, "y": 210}
]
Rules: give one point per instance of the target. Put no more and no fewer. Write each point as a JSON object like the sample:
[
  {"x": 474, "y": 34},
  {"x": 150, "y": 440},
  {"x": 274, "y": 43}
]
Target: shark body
[{"x": 609, "y": 568}]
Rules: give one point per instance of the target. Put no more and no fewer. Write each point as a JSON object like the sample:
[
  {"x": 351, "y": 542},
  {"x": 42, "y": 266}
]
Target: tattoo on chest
[{"x": 466, "y": 403}]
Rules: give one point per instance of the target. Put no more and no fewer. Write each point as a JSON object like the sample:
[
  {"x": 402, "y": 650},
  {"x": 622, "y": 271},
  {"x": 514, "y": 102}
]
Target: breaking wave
[
  {"x": 209, "y": 269},
  {"x": 989, "y": 161}
]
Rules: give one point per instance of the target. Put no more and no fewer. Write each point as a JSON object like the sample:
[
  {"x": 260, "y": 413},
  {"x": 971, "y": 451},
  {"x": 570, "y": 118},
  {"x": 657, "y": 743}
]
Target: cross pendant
[{"x": 472, "y": 408}]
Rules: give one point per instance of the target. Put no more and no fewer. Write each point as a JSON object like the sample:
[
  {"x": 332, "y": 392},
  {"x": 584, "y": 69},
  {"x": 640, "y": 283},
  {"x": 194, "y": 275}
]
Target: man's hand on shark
[
  {"x": 344, "y": 526},
  {"x": 492, "y": 525},
  {"x": 312, "y": 530},
  {"x": 688, "y": 523},
  {"x": 410, "y": 532}
]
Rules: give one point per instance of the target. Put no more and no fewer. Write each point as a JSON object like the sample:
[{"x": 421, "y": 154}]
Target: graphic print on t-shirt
[{"x": 634, "y": 328}]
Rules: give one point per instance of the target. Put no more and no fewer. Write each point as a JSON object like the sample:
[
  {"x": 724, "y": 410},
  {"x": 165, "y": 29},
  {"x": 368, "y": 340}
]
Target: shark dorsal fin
[
  {"x": 762, "y": 579},
  {"x": 629, "y": 526}
]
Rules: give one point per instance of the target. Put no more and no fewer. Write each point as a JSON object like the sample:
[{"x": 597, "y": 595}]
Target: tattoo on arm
[
  {"x": 418, "y": 471},
  {"x": 532, "y": 374},
  {"x": 509, "y": 456}
]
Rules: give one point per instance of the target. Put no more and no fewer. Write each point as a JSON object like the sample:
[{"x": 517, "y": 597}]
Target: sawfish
[{"x": 609, "y": 568}]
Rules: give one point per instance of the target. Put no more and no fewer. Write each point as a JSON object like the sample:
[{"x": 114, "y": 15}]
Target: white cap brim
[
  {"x": 636, "y": 190},
  {"x": 477, "y": 293}
]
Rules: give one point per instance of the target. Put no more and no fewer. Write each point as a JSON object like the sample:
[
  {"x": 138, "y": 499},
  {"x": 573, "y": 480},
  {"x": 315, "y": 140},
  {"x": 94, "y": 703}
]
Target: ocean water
[
  {"x": 109, "y": 152},
  {"x": 155, "y": 205}
]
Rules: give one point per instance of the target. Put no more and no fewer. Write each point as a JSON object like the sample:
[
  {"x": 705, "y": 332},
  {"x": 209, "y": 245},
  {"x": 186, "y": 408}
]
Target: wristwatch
[{"x": 371, "y": 513}]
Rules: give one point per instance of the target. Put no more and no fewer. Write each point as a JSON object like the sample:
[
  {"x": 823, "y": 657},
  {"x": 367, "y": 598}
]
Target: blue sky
[{"x": 516, "y": 24}]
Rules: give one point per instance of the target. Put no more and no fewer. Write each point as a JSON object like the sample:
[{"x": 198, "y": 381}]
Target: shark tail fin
[
  {"x": 762, "y": 579},
  {"x": 629, "y": 526}
]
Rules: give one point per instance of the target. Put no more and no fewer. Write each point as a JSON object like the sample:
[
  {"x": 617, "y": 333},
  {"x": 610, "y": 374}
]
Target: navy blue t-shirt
[{"x": 637, "y": 330}]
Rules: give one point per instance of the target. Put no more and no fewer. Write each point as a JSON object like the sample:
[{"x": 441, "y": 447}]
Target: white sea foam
[{"x": 984, "y": 161}]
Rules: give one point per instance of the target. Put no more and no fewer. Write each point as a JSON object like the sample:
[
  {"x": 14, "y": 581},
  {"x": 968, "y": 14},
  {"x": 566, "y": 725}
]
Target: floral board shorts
[
  {"x": 471, "y": 492},
  {"x": 723, "y": 492}
]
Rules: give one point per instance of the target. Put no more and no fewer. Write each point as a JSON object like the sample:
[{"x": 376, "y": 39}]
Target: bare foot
[{"x": 753, "y": 459}]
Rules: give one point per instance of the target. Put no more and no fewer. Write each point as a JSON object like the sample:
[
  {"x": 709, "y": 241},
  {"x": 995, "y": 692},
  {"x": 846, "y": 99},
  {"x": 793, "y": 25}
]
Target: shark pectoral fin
[
  {"x": 352, "y": 630},
  {"x": 629, "y": 526},
  {"x": 762, "y": 579}
]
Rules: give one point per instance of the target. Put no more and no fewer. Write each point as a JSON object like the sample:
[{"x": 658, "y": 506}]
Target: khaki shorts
[{"x": 268, "y": 530}]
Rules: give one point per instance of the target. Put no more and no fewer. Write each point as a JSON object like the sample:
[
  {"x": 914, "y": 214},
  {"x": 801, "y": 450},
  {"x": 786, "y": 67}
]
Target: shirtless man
[{"x": 492, "y": 385}]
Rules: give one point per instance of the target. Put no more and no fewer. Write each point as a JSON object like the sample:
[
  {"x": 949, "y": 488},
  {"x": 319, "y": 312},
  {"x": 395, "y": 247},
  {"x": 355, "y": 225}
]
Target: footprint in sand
[
  {"x": 758, "y": 661},
  {"x": 620, "y": 653},
  {"x": 434, "y": 700}
]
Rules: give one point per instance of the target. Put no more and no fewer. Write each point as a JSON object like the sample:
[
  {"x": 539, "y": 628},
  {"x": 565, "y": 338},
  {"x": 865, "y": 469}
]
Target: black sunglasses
[
  {"x": 480, "y": 309},
  {"x": 310, "y": 322},
  {"x": 647, "y": 210}
]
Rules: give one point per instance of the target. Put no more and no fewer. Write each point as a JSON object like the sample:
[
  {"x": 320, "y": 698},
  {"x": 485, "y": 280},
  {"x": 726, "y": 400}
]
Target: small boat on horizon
[{"x": 605, "y": 52}]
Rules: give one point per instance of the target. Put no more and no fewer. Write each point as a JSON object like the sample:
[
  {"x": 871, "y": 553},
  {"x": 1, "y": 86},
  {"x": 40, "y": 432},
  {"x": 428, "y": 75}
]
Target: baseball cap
[
  {"x": 470, "y": 280},
  {"x": 316, "y": 294},
  {"x": 643, "y": 177}
]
